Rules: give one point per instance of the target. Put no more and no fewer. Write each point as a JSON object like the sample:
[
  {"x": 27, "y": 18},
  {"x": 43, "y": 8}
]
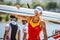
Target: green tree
[
  {"x": 34, "y": 4},
  {"x": 7, "y": 18},
  {"x": 23, "y": 5},
  {"x": 51, "y": 5},
  {"x": 18, "y": 1},
  {"x": 9, "y": 3},
  {"x": 0, "y": 18},
  {"x": 1, "y": 0},
  {"x": 16, "y": 4}
]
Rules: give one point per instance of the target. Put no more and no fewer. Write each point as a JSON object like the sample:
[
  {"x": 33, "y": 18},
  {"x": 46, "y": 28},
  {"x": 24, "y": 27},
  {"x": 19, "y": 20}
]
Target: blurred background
[
  {"x": 50, "y": 5},
  {"x": 47, "y": 5}
]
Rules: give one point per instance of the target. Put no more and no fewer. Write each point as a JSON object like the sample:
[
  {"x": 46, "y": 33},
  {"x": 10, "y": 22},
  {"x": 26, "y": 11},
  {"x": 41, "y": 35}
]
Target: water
[{"x": 49, "y": 26}]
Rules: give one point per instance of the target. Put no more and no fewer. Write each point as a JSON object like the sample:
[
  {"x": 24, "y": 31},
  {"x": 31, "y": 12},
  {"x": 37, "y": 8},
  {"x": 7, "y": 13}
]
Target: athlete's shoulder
[
  {"x": 43, "y": 24},
  {"x": 7, "y": 26},
  {"x": 18, "y": 25},
  {"x": 42, "y": 21}
]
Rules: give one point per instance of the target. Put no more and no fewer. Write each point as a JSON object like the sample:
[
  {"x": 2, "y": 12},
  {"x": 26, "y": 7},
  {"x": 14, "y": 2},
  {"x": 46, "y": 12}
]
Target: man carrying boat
[{"x": 23, "y": 25}]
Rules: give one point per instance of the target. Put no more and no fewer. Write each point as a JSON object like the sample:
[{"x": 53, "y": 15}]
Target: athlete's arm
[
  {"x": 29, "y": 18},
  {"x": 19, "y": 35},
  {"x": 25, "y": 34},
  {"x": 5, "y": 34},
  {"x": 44, "y": 30},
  {"x": 25, "y": 30}
]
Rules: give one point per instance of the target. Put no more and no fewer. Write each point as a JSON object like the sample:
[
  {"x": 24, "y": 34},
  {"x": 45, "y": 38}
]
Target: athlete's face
[
  {"x": 37, "y": 13},
  {"x": 13, "y": 19},
  {"x": 24, "y": 21},
  {"x": 35, "y": 19}
]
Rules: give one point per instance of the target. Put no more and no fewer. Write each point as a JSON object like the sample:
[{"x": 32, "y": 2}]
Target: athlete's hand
[
  {"x": 24, "y": 39},
  {"x": 17, "y": 6}
]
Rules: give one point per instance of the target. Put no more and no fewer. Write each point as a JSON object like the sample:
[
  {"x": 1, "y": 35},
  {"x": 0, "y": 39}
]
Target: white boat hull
[{"x": 52, "y": 16}]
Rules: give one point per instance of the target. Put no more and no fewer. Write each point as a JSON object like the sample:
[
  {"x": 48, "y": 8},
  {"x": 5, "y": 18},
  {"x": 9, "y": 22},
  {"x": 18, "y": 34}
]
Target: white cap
[{"x": 39, "y": 9}]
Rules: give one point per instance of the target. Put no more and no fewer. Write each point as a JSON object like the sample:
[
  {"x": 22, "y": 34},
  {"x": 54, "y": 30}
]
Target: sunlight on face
[{"x": 24, "y": 21}]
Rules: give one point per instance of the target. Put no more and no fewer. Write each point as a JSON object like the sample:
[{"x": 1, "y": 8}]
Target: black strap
[{"x": 13, "y": 31}]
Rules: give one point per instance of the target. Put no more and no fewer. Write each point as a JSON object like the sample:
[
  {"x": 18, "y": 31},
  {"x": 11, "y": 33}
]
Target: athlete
[
  {"x": 12, "y": 29},
  {"x": 23, "y": 25},
  {"x": 35, "y": 26}
]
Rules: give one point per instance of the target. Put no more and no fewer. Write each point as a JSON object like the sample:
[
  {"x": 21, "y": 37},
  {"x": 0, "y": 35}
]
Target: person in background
[
  {"x": 12, "y": 29},
  {"x": 23, "y": 25},
  {"x": 35, "y": 26},
  {"x": 56, "y": 35}
]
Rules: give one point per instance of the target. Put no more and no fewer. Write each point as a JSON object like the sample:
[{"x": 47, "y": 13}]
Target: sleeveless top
[
  {"x": 13, "y": 31},
  {"x": 8, "y": 27},
  {"x": 34, "y": 31}
]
